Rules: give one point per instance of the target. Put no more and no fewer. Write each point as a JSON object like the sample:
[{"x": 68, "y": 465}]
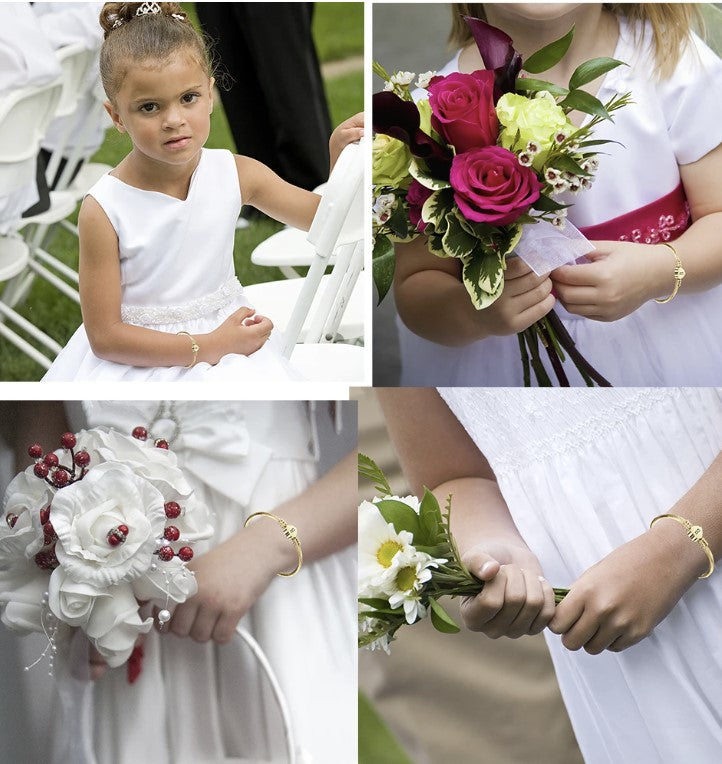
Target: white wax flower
[
  {"x": 402, "y": 78},
  {"x": 424, "y": 79}
]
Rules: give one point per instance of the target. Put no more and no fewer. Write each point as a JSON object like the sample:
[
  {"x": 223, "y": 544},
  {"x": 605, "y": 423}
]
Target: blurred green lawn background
[{"x": 338, "y": 33}]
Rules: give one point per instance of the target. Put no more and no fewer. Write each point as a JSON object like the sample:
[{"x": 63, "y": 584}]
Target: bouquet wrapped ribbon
[{"x": 480, "y": 162}]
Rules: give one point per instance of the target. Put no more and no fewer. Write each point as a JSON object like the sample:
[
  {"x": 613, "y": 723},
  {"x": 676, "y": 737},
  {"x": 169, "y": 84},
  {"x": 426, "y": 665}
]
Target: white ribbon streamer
[{"x": 544, "y": 247}]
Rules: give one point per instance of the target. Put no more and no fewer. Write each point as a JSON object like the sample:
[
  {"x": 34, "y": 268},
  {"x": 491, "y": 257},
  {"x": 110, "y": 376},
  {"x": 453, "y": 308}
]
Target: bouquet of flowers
[
  {"x": 90, "y": 531},
  {"x": 408, "y": 559},
  {"x": 478, "y": 162}
]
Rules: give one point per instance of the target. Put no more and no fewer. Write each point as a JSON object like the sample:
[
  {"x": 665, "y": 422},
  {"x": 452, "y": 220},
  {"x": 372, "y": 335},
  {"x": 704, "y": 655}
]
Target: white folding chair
[
  {"x": 24, "y": 117},
  {"x": 75, "y": 61},
  {"x": 288, "y": 249},
  {"x": 321, "y": 301}
]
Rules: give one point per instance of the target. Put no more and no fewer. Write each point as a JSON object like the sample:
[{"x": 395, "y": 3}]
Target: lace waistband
[{"x": 148, "y": 315}]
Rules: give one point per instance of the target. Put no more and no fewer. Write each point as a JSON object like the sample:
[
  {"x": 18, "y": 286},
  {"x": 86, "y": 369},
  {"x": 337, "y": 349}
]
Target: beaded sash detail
[
  {"x": 662, "y": 220},
  {"x": 151, "y": 315}
]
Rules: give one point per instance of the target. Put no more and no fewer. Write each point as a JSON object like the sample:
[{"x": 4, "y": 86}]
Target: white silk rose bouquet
[{"x": 93, "y": 530}]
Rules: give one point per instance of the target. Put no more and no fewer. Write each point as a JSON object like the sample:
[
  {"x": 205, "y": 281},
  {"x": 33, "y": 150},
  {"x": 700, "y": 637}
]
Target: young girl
[
  {"x": 660, "y": 185},
  {"x": 199, "y": 696},
  {"x": 158, "y": 292},
  {"x": 560, "y": 488}
]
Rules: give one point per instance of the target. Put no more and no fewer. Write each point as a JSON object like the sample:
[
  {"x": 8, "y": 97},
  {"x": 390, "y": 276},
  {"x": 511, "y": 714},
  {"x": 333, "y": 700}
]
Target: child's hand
[
  {"x": 243, "y": 332},
  {"x": 347, "y": 132},
  {"x": 230, "y": 579},
  {"x": 516, "y": 599},
  {"x": 526, "y": 298},
  {"x": 620, "y": 277},
  {"x": 618, "y": 601}
]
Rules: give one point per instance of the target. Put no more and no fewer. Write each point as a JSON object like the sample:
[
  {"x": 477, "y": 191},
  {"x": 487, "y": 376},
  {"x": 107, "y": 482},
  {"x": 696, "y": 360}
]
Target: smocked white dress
[
  {"x": 583, "y": 472},
  {"x": 671, "y": 123},
  {"x": 177, "y": 274}
]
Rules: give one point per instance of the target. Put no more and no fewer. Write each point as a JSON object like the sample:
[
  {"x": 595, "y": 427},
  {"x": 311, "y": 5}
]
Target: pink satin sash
[{"x": 664, "y": 219}]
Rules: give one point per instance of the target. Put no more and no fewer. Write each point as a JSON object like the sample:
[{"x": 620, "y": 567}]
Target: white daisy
[
  {"x": 412, "y": 573},
  {"x": 378, "y": 546}
]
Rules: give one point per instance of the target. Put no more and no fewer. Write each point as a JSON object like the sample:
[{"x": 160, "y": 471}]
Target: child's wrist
[
  {"x": 683, "y": 556},
  {"x": 208, "y": 349},
  {"x": 661, "y": 271},
  {"x": 275, "y": 550}
]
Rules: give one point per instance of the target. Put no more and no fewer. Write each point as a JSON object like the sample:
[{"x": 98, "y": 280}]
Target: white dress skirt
[
  {"x": 177, "y": 275},
  {"x": 209, "y": 704},
  {"x": 671, "y": 123},
  {"x": 583, "y": 472}
]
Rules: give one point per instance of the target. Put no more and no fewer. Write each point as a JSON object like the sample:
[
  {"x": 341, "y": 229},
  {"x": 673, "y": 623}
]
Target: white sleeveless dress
[
  {"x": 207, "y": 704},
  {"x": 177, "y": 274},
  {"x": 583, "y": 472},
  {"x": 671, "y": 123}
]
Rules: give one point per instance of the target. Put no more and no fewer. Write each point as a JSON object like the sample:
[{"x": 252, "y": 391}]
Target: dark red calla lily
[
  {"x": 497, "y": 53},
  {"x": 400, "y": 119}
]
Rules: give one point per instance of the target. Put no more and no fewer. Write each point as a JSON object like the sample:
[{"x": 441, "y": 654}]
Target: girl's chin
[{"x": 534, "y": 11}]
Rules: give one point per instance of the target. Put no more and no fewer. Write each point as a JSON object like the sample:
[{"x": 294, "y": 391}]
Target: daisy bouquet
[
  {"x": 92, "y": 530},
  {"x": 408, "y": 560},
  {"x": 479, "y": 162}
]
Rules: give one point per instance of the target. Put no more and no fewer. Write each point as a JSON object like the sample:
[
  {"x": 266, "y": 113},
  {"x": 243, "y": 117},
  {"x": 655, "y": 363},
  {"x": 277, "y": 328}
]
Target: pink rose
[
  {"x": 415, "y": 197},
  {"x": 462, "y": 107},
  {"x": 490, "y": 186}
]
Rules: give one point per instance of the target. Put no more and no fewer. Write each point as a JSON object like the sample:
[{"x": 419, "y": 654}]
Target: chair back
[
  {"x": 25, "y": 114},
  {"x": 337, "y": 227}
]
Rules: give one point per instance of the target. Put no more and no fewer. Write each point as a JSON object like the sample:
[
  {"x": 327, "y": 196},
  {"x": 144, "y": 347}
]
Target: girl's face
[{"x": 165, "y": 109}]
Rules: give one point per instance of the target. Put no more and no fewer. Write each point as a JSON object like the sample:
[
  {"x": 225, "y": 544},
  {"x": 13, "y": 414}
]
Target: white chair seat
[
  {"x": 62, "y": 204},
  {"x": 330, "y": 362},
  {"x": 90, "y": 173},
  {"x": 286, "y": 249},
  {"x": 276, "y": 299},
  {"x": 14, "y": 256}
]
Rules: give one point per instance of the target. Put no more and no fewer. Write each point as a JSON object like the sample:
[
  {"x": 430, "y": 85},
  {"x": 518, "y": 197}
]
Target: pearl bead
[
  {"x": 164, "y": 616},
  {"x": 153, "y": 566}
]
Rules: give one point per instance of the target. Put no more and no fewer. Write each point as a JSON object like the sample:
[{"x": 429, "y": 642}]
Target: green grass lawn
[{"x": 338, "y": 30}]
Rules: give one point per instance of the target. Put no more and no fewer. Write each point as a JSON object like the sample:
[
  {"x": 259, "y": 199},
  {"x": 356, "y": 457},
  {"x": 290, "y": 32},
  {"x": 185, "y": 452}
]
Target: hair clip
[
  {"x": 179, "y": 16},
  {"x": 118, "y": 21},
  {"x": 146, "y": 8}
]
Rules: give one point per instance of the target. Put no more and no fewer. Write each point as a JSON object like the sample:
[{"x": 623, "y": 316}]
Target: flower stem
[
  {"x": 552, "y": 351},
  {"x": 540, "y": 372},
  {"x": 524, "y": 359},
  {"x": 587, "y": 371}
]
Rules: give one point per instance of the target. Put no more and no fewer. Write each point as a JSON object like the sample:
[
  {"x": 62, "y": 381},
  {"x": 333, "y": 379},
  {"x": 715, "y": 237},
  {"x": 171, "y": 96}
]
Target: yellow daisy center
[
  {"x": 406, "y": 578},
  {"x": 387, "y": 550}
]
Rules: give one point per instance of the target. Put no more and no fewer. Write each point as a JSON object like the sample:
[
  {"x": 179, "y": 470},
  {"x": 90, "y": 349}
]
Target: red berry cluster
[
  {"x": 48, "y": 466},
  {"x": 46, "y": 558},
  {"x": 141, "y": 433},
  {"x": 172, "y": 533}
]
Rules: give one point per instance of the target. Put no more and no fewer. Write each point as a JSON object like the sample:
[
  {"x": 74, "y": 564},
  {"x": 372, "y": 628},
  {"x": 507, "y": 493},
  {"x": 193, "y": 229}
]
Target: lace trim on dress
[
  {"x": 514, "y": 429},
  {"x": 148, "y": 315}
]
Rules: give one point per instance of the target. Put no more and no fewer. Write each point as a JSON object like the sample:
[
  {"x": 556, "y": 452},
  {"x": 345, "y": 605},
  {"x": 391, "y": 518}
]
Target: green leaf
[
  {"x": 441, "y": 620},
  {"x": 419, "y": 171},
  {"x": 592, "y": 69},
  {"x": 377, "y": 603},
  {"x": 398, "y": 222},
  {"x": 437, "y": 207},
  {"x": 483, "y": 277},
  {"x": 549, "y": 55},
  {"x": 567, "y": 164},
  {"x": 401, "y": 516},
  {"x": 434, "y": 244},
  {"x": 531, "y": 85},
  {"x": 368, "y": 468},
  {"x": 430, "y": 515},
  {"x": 376, "y": 743},
  {"x": 456, "y": 241},
  {"x": 384, "y": 265},
  {"x": 547, "y": 204},
  {"x": 582, "y": 101}
]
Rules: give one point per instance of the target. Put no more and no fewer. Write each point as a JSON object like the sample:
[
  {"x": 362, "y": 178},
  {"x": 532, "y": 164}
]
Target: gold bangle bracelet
[
  {"x": 679, "y": 274},
  {"x": 289, "y": 531},
  {"x": 696, "y": 534},
  {"x": 195, "y": 347}
]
